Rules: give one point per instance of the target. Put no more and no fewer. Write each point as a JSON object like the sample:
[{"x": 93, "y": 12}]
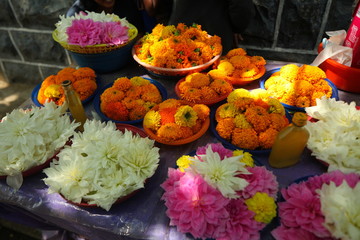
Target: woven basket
[{"x": 98, "y": 48}]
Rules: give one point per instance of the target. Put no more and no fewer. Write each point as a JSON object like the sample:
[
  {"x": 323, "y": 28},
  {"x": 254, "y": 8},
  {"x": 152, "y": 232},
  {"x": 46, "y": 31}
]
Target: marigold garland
[
  {"x": 298, "y": 86},
  {"x": 178, "y": 46},
  {"x": 174, "y": 119},
  {"x": 83, "y": 81},
  {"x": 129, "y": 99},
  {"x": 250, "y": 120}
]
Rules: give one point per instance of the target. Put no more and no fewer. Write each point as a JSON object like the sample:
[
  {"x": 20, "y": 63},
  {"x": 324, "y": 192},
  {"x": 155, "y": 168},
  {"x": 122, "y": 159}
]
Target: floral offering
[
  {"x": 90, "y": 28},
  {"x": 178, "y": 46},
  {"x": 201, "y": 88},
  {"x": 298, "y": 86},
  {"x": 83, "y": 81},
  {"x": 102, "y": 165},
  {"x": 334, "y": 137},
  {"x": 28, "y": 138},
  {"x": 250, "y": 119},
  {"x": 129, "y": 99},
  {"x": 236, "y": 64},
  {"x": 322, "y": 207},
  {"x": 174, "y": 119},
  {"x": 220, "y": 194}
]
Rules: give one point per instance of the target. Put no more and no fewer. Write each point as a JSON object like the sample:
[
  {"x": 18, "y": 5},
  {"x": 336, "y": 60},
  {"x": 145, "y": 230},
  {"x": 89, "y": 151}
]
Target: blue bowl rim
[
  {"x": 335, "y": 93},
  {"x": 96, "y": 101},
  {"x": 36, "y": 89}
]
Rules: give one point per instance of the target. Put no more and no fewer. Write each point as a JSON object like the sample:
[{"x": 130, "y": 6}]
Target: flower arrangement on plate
[
  {"x": 249, "y": 120},
  {"x": 91, "y": 32},
  {"x": 30, "y": 138},
  {"x": 95, "y": 170},
  {"x": 83, "y": 81},
  {"x": 334, "y": 137},
  {"x": 320, "y": 207},
  {"x": 298, "y": 87},
  {"x": 177, "y": 50},
  {"x": 201, "y": 88},
  {"x": 176, "y": 122},
  {"x": 129, "y": 99},
  {"x": 220, "y": 194},
  {"x": 238, "y": 68}
]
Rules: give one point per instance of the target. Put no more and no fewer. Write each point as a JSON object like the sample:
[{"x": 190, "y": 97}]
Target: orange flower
[
  {"x": 85, "y": 87},
  {"x": 267, "y": 138},
  {"x": 225, "y": 127},
  {"x": 222, "y": 87},
  {"x": 169, "y": 103},
  {"x": 172, "y": 131},
  {"x": 245, "y": 138},
  {"x": 62, "y": 76},
  {"x": 112, "y": 95},
  {"x": 235, "y": 52},
  {"x": 202, "y": 111},
  {"x": 258, "y": 60},
  {"x": 303, "y": 101},
  {"x": 258, "y": 117},
  {"x": 208, "y": 93},
  {"x": 240, "y": 61},
  {"x": 48, "y": 81},
  {"x": 310, "y": 73},
  {"x": 122, "y": 84},
  {"x": 84, "y": 72},
  {"x": 167, "y": 115},
  {"x": 277, "y": 121},
  {"x": 138, "y": 112},
  {"x": 198, "y": 80},
  {"x": 115, "y": 110}
]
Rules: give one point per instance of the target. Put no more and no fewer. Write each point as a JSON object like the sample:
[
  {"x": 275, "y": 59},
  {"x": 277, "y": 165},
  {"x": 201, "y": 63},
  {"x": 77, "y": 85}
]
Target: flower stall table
[{"x": 143, "y": 215}]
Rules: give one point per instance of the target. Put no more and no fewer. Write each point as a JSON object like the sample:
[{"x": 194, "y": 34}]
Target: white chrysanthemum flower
[
  {"x": 220, "y": 174},
  {"x": 336, "y": 136},
  {"x": 117, "y": 164},
  {"x": 29, "y": 138},
  {"x": 342, "y": 214}
]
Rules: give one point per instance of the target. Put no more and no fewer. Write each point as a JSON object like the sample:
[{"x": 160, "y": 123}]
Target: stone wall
[{"x": 287, "y": 30}]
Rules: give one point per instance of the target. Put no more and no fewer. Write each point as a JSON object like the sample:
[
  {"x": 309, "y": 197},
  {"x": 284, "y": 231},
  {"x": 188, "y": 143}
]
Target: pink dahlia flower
[
  {"x": 194, "y": 206},
  {"x": 114, "y": 33},
  {"x": 84, "y": 32},
  {"x": 260, "y": 180},
  {"x": 284, "y": 233},
  {"x": 216, "y": 147}
]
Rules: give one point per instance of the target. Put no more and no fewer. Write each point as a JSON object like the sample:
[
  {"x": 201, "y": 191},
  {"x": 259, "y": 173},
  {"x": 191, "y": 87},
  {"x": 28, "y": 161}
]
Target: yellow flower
[
  {"x": 247, "y": 157},
  {"x": 241, "y": 122},
  {"x": 53, "y": 91},
  {"x": 260, "y": 93},
  {"x": 263, "y": 206},
  {"x": 152, "y": 120},
  {"x": 226, "y": 110},
  {"x": 184, "y": 162},
  {"x": 186, "y": 116},
  {"x": 276, "y": 106},
  {"x": 226, "y": 67},
  {"x": 238, "y": 93},
  {"x": 169, "y": 103},
  {"x": 139, "y": 81}
]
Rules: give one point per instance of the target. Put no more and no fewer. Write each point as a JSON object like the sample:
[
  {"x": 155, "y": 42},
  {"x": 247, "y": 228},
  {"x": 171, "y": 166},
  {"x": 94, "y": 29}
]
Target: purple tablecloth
[{"x": 143, "y": 215}]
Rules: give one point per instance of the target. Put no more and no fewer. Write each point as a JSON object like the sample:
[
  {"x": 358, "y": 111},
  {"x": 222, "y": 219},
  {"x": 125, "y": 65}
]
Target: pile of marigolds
[
  {"x": 83, "y": 81},
  {"x": 298, "y": 86},
  {"x": 178, "y": 46},
  {"x": 129, "y": 99},
  {"x": 174, "y": 120},
  {"x": 250, "y": 120}
]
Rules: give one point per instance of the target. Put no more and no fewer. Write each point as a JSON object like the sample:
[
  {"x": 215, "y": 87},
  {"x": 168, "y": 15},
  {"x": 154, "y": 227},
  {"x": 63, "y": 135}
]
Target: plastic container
[{"x": 344, "y": 77}]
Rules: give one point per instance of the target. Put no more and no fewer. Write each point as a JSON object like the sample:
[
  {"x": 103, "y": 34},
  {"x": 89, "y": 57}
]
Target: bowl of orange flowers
[
  {"x": 201, "y": 88},
  {"x": 249, "y": 120},
  {"x": 177, "y": 50},
  {"x": 127, "y": 100},
  {"x": 298, "y": 87},
  {"x": 176, "y": 122},
  {"x": 84, "y": 82},
  {"x": 238, "y": 68}
]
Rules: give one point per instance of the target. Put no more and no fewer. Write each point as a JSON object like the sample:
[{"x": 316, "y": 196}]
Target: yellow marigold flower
[
  {"x": 225, "y": 127},
  {"x": 247, "y": 157},
  {"x": 202, "y": 111},
  {"x": 235, "y": 52},
  {"x": 275, "y": 81},
  {"x": 238, "y": 93},
  {"x": 240, "y": 61},
  {"x": 169, "y": 103},
  {"x": 198, "y": 80},
  {"x": 250, "y": 70},
  {"x": 226, "y": 67},
  {"x": 185, "y": 116},
  {"x": 258, "y": 60},
  {"x": 184, "y": 162},
  {"x": 276, "y": 106},
  {"x": 152, "y": 120},
  {"x": 139, "y": 81},
  {"x": 122, "y": 83},
  {"x": 263, "y": 206},
  {"x": 222, "y": 87},
  {"x": 303, "y": 101},
  {"x": 310, "y": 73},
  {"x": 267, "y": 138},
  {"x": 245, "y": 138},
  {"x": 216, "y": 74},
  {"x": 157, "y": 30},
  {"x": 260, "y": 93},
  {"x": 168, "y": 31},
  {"x": 227, "y": 110},
  {"x": 241, "y": 122},
  {"x": 289, "y": 72},
  {"x": 183, "y": 86},
  {"x": 53, "y": 91},
  {"x": 303, "y": 88}
]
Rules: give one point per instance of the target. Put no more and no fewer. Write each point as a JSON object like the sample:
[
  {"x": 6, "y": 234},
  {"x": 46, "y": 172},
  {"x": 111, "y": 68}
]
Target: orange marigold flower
[
  {"x": 226, "y": 67},
  {"x": 202, "y": 111},
  {"x": 192, "y": 95},
  {"x": 137, "y": 113},
  {"x": 62, "y": 76},
  {"x": 303, "y": 101},
  {"x": 240, "y": 61},
  {"x": 85, "y": 87},
  {"x": 84, "y": 72},
  {"x": 243, "y": 103},
  {"x": 258, "y": 117},
  {"x": 198, "y": 80},
  {"x": 115, "y": 110},
  {"x": 258, "y": 60},
  {"x": 315, "y": 96},
  {"x": 183, "y": 86},
  {"x": 167, "y": 115},
  {"x": 323, "y": 86},
  {"x": 267, "y": 138},
  {"x": 303, "y": 88},
  {"x": 310, "y": 73},
  {"x": 41, "y": 97},
  {"x": 170, "y": 132},
  {"x": 235, "y": 52},
  {"x": 197, "y": 127},
  {"x": 169, "y": 103},
  {"x": 225, "y": 127},
  {"x": 222, "y": 87},
  {"x": 48, "y": 81},
  {"x": 278, "y": 121},
  {"x": 208, "y": 93},
  {"x": 245, "y": 138},
  {"x": 289, "y": 72},
  {"x": 134, "y": 92},
  {"x": 112, "y": 95},
  {"x": 139, "y": 81},
  {"x": 261, "y": 103},
  {"x": 152, "y": 96},
  {"x": 122, "y": 84}
]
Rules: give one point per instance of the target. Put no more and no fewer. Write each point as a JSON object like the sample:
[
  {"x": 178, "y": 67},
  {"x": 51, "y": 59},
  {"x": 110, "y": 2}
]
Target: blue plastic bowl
[
  {"x": 290, "y": 108},
  {"x": 105, "y": 62}
]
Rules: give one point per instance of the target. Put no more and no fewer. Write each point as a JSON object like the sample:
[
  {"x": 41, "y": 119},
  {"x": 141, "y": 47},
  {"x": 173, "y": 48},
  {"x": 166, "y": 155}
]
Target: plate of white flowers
[
  {"x": 104, "y": 165},
  {"x": 30, "y": 138}
]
